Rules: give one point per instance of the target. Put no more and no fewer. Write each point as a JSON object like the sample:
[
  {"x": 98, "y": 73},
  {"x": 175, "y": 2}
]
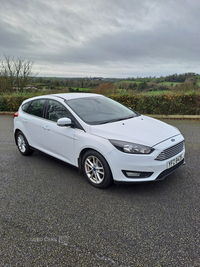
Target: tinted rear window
[{"x": 36, "y": 107}]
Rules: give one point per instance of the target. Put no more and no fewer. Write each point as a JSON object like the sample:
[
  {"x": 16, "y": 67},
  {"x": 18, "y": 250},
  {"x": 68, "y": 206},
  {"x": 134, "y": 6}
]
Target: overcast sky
[{"x": 104, "y": 38}]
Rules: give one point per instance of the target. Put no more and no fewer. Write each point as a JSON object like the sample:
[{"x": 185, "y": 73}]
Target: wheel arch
[
  {"x": 81, "y": 154},
  {"x": 15, "y": 135},
  {"x": 83, "y": 151},
  {"x": 17, "y": 130}
]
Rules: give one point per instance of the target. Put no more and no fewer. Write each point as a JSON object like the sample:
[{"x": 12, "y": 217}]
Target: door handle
[{"x": 46, "y": 128}]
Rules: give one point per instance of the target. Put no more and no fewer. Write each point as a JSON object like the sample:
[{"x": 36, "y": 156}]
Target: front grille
[{"x": 170, "y": 152}]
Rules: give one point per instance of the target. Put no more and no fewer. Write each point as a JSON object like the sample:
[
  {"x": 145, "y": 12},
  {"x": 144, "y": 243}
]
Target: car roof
[
  {"x": 65, "y": 96},
  {"x": 68, "y": 96}
]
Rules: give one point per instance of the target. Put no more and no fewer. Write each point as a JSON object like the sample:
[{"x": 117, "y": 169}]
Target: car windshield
[{"x": 100, "y": 110}]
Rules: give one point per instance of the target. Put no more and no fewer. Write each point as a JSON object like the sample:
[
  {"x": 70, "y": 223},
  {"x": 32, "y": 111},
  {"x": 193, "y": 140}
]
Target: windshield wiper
[
  {"x": 120, "y": 119},
  {"x": 130, "y": 117}
]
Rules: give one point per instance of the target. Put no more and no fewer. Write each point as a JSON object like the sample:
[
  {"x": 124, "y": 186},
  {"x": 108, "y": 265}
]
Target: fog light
[{"x": 133, "y": 174}]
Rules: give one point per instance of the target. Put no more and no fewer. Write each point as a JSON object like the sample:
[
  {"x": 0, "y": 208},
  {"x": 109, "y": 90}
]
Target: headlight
[{"x": 131, "y": 147}]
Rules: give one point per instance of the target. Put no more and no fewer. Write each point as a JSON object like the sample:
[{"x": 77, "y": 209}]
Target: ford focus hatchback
[{"x": 104, "y": 139}]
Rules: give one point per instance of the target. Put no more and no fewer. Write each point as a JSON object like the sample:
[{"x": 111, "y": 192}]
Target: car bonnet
[{"x": 141, "y": 130}]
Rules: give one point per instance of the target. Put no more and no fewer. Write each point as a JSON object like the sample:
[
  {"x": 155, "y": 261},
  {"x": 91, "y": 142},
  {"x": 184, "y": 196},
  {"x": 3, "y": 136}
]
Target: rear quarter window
[
  {"x": 36, "y": 108},
  {"x": 25, "y": 106}
]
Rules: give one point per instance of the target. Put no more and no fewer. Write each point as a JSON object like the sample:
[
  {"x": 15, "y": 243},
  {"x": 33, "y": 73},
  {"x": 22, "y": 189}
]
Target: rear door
[{"x": 32, "y": 120}]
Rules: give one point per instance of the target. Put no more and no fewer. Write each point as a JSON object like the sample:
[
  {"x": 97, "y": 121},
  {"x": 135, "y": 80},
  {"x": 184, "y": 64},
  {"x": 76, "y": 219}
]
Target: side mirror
[{"x": 64, "y": 122}]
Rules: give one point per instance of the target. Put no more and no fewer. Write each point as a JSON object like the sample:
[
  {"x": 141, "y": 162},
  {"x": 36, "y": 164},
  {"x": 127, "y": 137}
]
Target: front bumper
[{"x": 145, "y": 166}]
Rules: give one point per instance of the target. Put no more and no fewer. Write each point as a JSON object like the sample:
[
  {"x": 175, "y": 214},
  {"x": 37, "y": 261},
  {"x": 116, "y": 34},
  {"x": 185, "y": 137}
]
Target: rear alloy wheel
[
  {"x": 96, "y": 169},
  {"x": 23, "y": 145}
]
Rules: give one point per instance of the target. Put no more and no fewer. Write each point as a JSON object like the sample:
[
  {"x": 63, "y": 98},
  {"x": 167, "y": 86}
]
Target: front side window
[
  {"x": 36, "y": 107},
  {"x": 55, "y": 111}
]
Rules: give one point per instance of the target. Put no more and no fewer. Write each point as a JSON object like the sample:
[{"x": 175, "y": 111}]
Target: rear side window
[
  {"x": 36, "y": 107},
  {"x": 25, "y": 106}
]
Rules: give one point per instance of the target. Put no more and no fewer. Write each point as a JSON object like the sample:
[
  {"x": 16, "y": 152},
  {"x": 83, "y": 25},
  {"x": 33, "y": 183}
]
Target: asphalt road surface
[{"x": 51, "y": 216}]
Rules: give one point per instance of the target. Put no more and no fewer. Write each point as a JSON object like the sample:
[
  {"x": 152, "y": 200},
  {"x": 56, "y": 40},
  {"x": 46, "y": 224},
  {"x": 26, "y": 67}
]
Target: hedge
[
  {"x": 162, "y": 104},
  {"x": 12, "y": 102}
]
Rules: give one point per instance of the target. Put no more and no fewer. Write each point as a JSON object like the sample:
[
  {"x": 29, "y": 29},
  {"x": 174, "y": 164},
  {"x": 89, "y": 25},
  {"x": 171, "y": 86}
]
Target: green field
[
  {"x": 127, "y": 82},
  {"x": 169, "y": 83},
  {"x": 82, "y": 89}
]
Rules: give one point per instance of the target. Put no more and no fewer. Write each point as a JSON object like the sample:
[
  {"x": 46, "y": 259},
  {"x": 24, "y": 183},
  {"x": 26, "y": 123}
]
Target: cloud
[{"x": 113, "y": 37}]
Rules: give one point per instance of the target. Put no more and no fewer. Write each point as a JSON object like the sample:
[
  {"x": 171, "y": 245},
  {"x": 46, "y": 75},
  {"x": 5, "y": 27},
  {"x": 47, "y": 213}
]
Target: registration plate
[{"x": 175, "y": 161}]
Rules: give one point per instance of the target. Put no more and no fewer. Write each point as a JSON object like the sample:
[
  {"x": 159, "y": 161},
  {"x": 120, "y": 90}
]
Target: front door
[{"x": 58, "y": 141}]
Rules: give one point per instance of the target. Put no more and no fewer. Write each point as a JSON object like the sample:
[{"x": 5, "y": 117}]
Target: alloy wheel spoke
[
  {"x": 89, "y": 163},
  {"x": 89, "y": 172},
  {"x": 98, "y": 178},
  {"x": 101, "y": 172}
]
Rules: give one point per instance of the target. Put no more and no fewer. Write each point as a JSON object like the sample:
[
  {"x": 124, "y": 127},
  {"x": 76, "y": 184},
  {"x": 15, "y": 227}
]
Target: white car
[{"x": 106, "y": 140}]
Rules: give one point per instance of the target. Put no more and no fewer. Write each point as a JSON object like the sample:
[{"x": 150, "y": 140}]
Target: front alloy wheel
[{"x": 96, "y": 169}]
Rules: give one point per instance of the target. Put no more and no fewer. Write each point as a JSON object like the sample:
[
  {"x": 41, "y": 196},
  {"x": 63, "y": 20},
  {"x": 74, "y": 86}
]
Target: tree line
[
  {"x": 181, "y": 78},
  {"x": 16, "y": 75}
]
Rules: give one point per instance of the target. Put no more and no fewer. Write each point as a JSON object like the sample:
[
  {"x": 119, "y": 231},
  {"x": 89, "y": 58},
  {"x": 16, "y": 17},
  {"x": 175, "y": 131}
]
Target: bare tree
[{"x": 15, "y": 73}]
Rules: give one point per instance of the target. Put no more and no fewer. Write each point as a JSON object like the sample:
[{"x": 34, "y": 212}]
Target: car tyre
[
  {"x": 96, "y": 169},
  {"x": 23, "y": 144}
]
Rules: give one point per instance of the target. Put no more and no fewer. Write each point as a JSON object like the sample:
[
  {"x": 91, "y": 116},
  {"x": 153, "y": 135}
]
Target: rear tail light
[{"x": 16, "y": 114}]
